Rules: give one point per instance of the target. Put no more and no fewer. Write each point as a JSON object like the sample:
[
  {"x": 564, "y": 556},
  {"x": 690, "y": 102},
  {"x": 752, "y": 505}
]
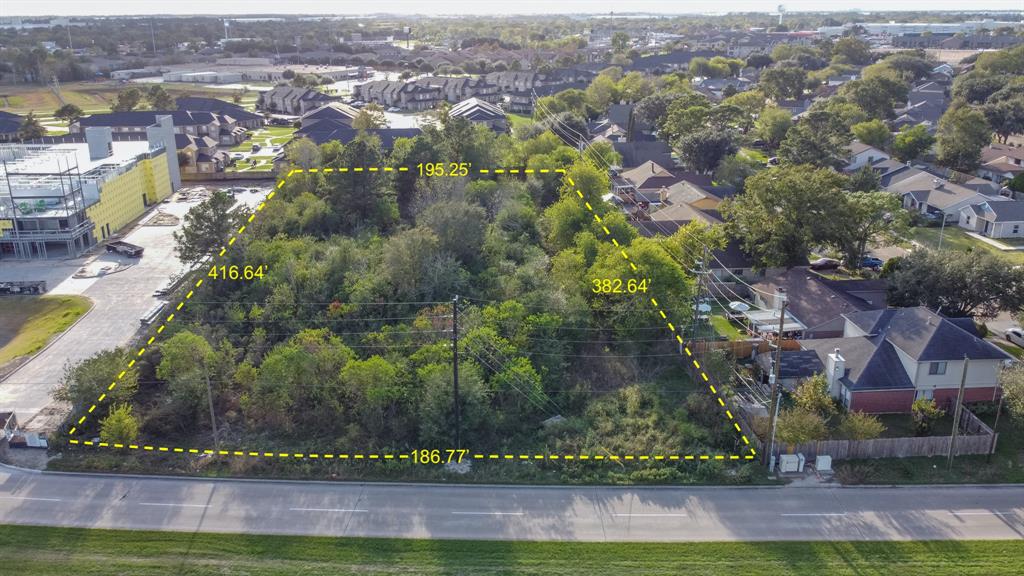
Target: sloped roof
[
  {"x": 293, "y": 93},
  {"x": 148, "y": 118},
  {"x": 476, "y": 110},
  {"x": 331, "y": 110},
  {"x": 924, "y": 335},
  {"x": 1006, "y": 211},
  {"x": 869, "y": 366},
  {"x": 10, "y": 123},
  {"x": 941, "y": 193},
  {"x": 636, "y": 153},
  {"x": 334, "y": 130},
  {"x": 814, "y": 300},
  {"x": 199, "y": 104}
]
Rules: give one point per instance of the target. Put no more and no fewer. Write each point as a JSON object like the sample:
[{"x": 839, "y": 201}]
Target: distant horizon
[{"x": 76, "y": 8}]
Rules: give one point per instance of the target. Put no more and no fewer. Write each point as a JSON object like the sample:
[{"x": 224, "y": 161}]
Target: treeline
[{"x": 347, "y": 340}]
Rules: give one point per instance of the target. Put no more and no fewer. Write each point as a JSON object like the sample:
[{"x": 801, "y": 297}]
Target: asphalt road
[{"x": 509, "y": 512}]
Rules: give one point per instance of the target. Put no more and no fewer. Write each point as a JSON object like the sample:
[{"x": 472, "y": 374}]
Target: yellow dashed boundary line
[
  {"x": 359, "y": 456},
  {"x": 671, "y": 327},
  {"x": 408, "y": 456}
]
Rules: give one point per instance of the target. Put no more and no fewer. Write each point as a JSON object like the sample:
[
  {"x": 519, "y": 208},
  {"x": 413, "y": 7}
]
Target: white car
[
  {"x": 394, "y": 109},
  {"x": 1016, "y": 335}
]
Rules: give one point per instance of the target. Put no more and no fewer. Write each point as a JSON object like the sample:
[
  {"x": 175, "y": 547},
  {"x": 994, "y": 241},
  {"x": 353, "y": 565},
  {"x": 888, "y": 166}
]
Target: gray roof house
[
  {"x": 479, "y": 111},
  {"x": 9, "y": 126},
  {"x": 886, "y": 359},
  {"x": 291, "y": 101},
  {"x": 930, "y": 195},
  {"x": 817, "y": 302},
  {"x": 994, "y": 219}
]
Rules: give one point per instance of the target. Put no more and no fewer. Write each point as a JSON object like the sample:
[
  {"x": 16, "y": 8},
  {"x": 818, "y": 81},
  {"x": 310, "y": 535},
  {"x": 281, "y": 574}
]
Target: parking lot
[{"x": 121, "y": 289}]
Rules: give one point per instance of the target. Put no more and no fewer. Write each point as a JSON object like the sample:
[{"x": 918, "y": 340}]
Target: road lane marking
[
  {"x": 815, "y": 514},
  {"x": 651, "y": 515},
  {"x": 174, "y": 505},
  {"x": 488, "y": 513},
  {"x": 327, "y": 510},
  {"x": 31, "y": 498},
  {"x": 996, "y": 513}
]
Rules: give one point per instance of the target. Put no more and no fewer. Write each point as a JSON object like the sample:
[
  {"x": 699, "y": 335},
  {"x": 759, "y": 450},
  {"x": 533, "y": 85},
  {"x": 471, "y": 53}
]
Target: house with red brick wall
[{"x": 888, "y": 358}]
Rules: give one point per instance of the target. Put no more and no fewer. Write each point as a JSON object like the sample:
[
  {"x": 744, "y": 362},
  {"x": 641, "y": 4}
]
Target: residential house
[
  {"x": 817, "y": 302},
  {"x": 994, "y": 219},
  {"x": 521, "y": 101},
  {"x": 331, "y": 111},
  {"x": 862, "y": 155},
  {"x": 405, "y": 95},
  {"x": 649, "y": 182},
  {"x": 886, "y": 359},
  {"x": 427, "y": 92},
  {"x": 926, "y": 103},
  {"x": 221, "y": 127},
  {"x": 932, "y": 196},
  {"x": 10, "y": 124},
  {"x": 242, "y": 117},
  {"x": 199, "y": 154},
  {"x": 716, "y": 87},
  {"x": 637, "y": 153},
  {"x": 1001, "y": 162},
  {"x": 480, "y": 112},
  {"x": 942, "y": 74},
  {"x": 668, "y": 62},
  {"x": 725, "y": 265},
  {"x": 292, "y": 101},
  {"x": 328, "y": 130}
]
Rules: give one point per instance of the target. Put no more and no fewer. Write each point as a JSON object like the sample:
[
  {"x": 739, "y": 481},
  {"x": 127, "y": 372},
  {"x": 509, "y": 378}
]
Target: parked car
[
  {"x": 394, "y": 109},
  {"x": 871, "y": 262},
  {"x": 1016, "y": 335},
  {"x": 237, "y": 155},
  {"x": 825, "y": 264}
]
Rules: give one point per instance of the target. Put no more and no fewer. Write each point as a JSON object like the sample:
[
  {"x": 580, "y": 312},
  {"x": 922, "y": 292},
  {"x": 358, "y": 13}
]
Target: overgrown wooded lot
[{"x": 345, "y": 345}]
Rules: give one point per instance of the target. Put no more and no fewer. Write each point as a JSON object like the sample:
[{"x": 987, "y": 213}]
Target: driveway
[{"x": 119, "y": 300}]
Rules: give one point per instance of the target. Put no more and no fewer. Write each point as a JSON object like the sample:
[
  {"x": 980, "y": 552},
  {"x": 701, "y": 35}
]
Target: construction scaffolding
[{"x": 42, "y": 204}]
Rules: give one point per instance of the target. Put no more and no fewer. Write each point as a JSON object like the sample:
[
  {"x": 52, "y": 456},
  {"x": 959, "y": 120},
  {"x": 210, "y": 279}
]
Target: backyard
[{"x": 1005, "y": 465}]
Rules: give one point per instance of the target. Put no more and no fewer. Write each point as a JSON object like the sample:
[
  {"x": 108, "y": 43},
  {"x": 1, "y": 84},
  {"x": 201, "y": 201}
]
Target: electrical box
[
  {"x": 823, "y": 464},
  {"x": 789, "y": 463}
]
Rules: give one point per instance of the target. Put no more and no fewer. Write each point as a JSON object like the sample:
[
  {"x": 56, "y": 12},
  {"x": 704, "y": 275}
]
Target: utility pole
[
  {"x": 152, "y": 35},
  {"x": 699, "y": 271},
  {"x": 209, "y": 398},
  {"x": 455, "y": 370},
  {"x": 995, "y": 425},
  {"x": 773, "y": 409},
  {"x": 956, "y": 415}
]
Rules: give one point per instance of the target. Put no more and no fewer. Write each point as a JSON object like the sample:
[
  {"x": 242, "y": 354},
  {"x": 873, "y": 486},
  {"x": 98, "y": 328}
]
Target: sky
[{"x": 114, "y": 7}]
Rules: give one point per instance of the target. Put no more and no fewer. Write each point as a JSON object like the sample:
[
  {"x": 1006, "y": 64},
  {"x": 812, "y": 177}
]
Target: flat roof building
[{"x": 59, "y": 199}]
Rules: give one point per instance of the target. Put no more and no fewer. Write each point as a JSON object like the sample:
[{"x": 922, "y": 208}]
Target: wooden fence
[
  {"x": 742, "y": 349},
  {"x": 975, "y": 438}
]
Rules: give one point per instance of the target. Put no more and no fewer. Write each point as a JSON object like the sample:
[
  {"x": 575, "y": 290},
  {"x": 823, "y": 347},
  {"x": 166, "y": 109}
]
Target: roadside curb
[{"x": 112, "y": 476}]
